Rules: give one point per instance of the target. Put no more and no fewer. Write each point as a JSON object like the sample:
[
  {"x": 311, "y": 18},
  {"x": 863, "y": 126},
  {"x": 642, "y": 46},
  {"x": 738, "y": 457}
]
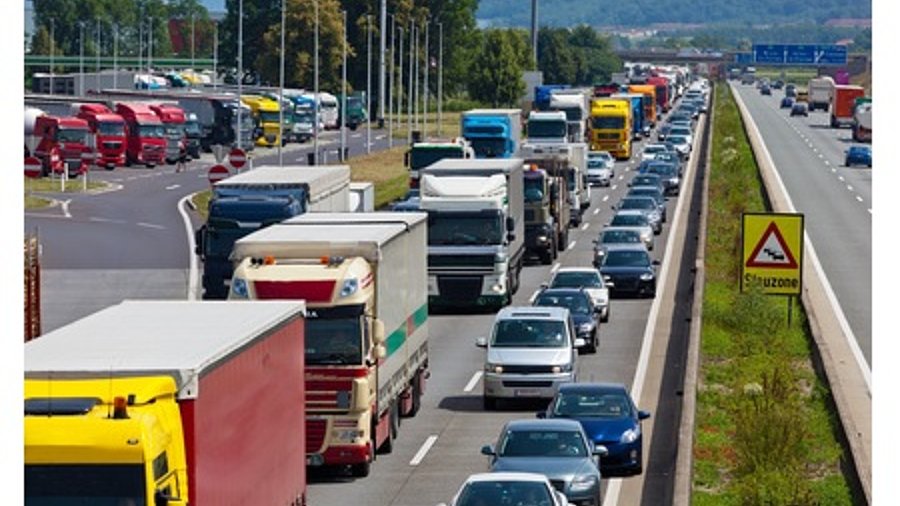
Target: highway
[{"x": 836, "y": 201}]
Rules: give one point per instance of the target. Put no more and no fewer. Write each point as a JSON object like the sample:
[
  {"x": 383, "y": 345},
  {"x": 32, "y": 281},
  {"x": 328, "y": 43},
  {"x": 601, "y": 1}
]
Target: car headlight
[
  {"x": 647, "y": 276},
  {"x": 494, "y": 368},
  {"x": 630, "y": 436},
  {"x": 349, "y": 287},
  {"x": 586, "y": 327},
  {"x": 562, "y": 368},
  {"x": 239, "y": 288},
  {"x": 543, "y": 239},
  {"x": 582, "y": 483}
]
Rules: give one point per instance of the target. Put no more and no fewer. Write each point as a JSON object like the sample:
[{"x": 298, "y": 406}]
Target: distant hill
[{"x": 643, "y": 13}]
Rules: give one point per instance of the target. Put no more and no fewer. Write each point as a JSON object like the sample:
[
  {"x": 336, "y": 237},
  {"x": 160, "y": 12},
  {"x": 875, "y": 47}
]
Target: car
[
  {"x": 683, "y": 122},
  {"x": 787, "y": 102},
  {"x": 663, "y": 131},
  {"x": 512, "y": 488},
  {"x": 650, "y": 150},
  {"x": 610, "y": 419},
  {"x": 668, "y": 173},
  {"x": 607, "y": 157},
  {"x": 599, "y": 172},
  {"x": 683, "y": 131},
  {"x": 587, "y": 279},
  {"x": 861, "y": 155},
  {"x": 530, "y": 352},
  {"x": 582, "y": 309},
  {"x": 652, "y": 192},
  {"x": 790, "y": 90},
  {"x": 672, "y": 158},
  {"x": 647, "y": 179},
  {"x": 778, "y": 84},
  {"x": 629, "y": 270},
  {"x": 557, "y": 448},
  {"x": 799, "y": 109},
  {"x": 637, "y": 220},
  {"x": 690, "y": 109},
  {"x": 682, "y": 144},
  {"x": 680, "y": 116},
  {"x": 765, "y": 89},
  {"x": 614, "y": 235},
  {"x": 646, "y": 205},
  {"x": 408, "y": 205}
]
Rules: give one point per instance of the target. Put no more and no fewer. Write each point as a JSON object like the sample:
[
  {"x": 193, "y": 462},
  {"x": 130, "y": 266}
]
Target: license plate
[{"x": 527, "y": 392}]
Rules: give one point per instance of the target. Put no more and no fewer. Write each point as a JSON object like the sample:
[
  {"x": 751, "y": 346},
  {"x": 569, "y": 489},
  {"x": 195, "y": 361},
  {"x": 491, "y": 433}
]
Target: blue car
[
  {"x": 609, "y": 418},
  {"x": 858, "y": 155}
]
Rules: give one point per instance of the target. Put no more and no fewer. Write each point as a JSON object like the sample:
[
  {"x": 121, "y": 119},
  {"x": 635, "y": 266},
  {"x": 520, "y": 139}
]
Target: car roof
[
  {"x": 507, "y": 476},
  {"x": 576, "y": 269},
  {"x": 621, "y": 228},
  {"x": 533, "y": 312},
  {"x": 593, "y": 387},
  {"x": 626, "y": 246},
  {"x": 543, "y": 424},
  {"x": 629, "y": 212},
  {"x": 644, "y": 188}
]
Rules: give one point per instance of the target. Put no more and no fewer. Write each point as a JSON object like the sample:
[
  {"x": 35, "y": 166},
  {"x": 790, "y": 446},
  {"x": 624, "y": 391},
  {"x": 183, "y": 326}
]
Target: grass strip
[
  {"x": 48, "y": 185},
  {"x": 766, "y": 433}
]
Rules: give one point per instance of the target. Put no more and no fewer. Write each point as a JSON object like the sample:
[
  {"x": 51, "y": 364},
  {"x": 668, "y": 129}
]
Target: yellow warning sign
[{"x": 772, "y": 245}]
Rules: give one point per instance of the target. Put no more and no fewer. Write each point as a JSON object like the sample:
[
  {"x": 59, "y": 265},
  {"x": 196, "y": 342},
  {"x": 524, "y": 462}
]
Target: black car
[
  {"x": 580, "y": 306},
  {"x": 629, "y": 270},
  {"x": 778, "y": 84},
  {"x": 647, "y": 180},
  {"x": 663, "y": 131},
  {"x": 799, "y": 109},
  {"x": 668, "y": 173},
  {"x": 787, "y": 102}
]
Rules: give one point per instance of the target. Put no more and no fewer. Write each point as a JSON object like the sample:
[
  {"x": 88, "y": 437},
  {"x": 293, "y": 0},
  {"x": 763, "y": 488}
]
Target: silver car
[
  {"x": 600, "y": 169},
  {"x": 531, "y": 351},
  {"x": 646, "y": 205},
  {"x": 682, "y": 145},
  {"x": 555, "y": 447},
  {"x": 634, "y": 219},
  {"x": 587, "y": 279}
]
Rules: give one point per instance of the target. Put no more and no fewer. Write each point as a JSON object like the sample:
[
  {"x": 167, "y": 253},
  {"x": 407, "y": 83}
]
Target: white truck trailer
[
  {"x": 569, "y": 160},
  {"x": 576, "y": 103},
  {"x": 364, "y": 279},
  {"x": 821, "y": 90}
]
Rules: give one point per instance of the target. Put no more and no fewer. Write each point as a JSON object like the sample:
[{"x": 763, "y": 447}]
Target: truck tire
[
  {"x": 394, "y": 417},
  {"x": 416, "y": 396},
  {"x": 360, "y": 470},
  {"x": 563, "y": 240}
]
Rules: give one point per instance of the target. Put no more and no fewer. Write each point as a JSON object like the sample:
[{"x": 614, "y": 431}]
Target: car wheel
[
  {"x": 592, "y": 345},
  {"x": 490, "y": 403}
]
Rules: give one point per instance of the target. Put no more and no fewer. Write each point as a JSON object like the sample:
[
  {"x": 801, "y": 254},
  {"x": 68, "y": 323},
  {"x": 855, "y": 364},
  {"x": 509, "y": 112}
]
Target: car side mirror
[
  {"x": 545, "y": 285},
  {"x": 488, "y": 450},
  {"x": 600, "y": 451},
  {"x": 481, "y": 342},
  {"x": 656, "y": 262},
  {"x": 643, "y": 415},
  {"x": 580, "y": 343}
]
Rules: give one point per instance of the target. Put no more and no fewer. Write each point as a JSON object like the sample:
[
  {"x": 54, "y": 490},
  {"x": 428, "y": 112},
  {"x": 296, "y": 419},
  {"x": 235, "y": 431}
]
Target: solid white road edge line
[
  {"x": 192, "y": 262},
  {"x": 474, "y": 381},
  {"x": 533, "y": 296},
  {"x": 420, "y": 455}
]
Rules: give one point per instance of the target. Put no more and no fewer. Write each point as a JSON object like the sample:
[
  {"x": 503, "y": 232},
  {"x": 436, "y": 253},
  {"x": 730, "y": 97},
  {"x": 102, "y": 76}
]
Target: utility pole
[
  {"x": 149, "y": 47},
  {"x": 440, "y": 90},
  {"x": 369, "y": 84},
  {"x": 98, "y": 47},
  {"x": 215, "y": 55},
  {"x": 281, "y": 90},
  {"x": 52, "y": 44},
  {"x": 344, "y": 88},
  {"x": 409, "y": 88},
  {"x": 240, "y": 73},
  {"x": 316, "y": 87},
  {"x": 81, "y": 57},
  {"x": 400, "y": 80},
  {"x": 390, "y": 93},
  {"x": 193, "y": 15},
  {"x": 425, "y": 84},
  {"x": 140, "y": 65},
  {"x": 115, "y": 56},
  {"x": 534, "y": 32},
  {"x": 382, "y": 63}
]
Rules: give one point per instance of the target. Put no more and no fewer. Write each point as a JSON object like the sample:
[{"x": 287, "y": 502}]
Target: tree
[
  {"x": 556, "y": 58},
  {"x": 496, "y": 70},
  {"x": 259, "y": 17}
]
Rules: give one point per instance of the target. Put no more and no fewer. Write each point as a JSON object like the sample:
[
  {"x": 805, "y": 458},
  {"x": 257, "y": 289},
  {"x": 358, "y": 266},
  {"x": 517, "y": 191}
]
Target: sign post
[
  {"x": 237, "y": 158},
  {"x": 217, "y": 173},
  {"x": 772, "y": 246},
  {"x": 219, "y": 152},
  {"x": 86, "y": 158}
]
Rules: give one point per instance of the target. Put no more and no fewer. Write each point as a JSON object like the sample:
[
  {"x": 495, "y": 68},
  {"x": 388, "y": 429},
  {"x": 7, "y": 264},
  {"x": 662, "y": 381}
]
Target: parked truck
[
  {"x": 256, "y": 199},
  {"x": 547, "y": 213},
  {"x": 843, "y": 104},
  {"x": 575, "y": 102},
  {"x": 63, "y": 141},
  {"x": 363, "y": 277},
  {"x": 493, "y": 133},
  {"x": 423, "y": 154},
  {"x": 146, "y": 136},
  {"x": 173, "y": 121},
  {"x": 821, "y": 89},
  {"x": 168, "y": 403},
  {"x": 611, "y": 126},
  {"x": 108, "y": 129},
  {"x": 266, "y": 118},
  {"x": 476, "y": 231},
  {"x": 569, "y": 161},
  {"x": 862, "y": 120}
]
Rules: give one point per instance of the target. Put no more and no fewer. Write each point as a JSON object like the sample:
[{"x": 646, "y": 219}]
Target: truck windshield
[
  {"x": 573, "y": 114},
  {"x": 111, "y": 128},
  {"x": 524, "y": 333},
  {"x": 607, "y": 122},
  {"x": 192, "y": 129},
  {"x": 268, "y": 116},
  {"x": 488, "y": 148},
  {"x": 421, "y": 157},
  {"x": 534, "y": 189},
  {"x": 72, "y": 135},
  {"x": 153, "y": 131},
  {"x": 334, "y": 337},
  {"x": 174, "y": 131},
  {"x": 95, "y": 484},
  {"x": 459, "y": 229},
  {"x": 546, "y": 129}
]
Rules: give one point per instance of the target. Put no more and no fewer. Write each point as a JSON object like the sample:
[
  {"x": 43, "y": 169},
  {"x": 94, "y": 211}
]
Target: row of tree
[{"x": 486, "y": 63}]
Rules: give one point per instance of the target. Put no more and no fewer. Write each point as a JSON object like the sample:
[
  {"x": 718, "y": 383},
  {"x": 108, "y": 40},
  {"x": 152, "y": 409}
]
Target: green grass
[
  {"x": 48, "y": 185},
  {"x": 765, "y": 434}
]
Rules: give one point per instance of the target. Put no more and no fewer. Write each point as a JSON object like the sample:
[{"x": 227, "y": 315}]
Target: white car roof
[
  {"x": 507, "y": 476},
  {"x": 577, "y": 269}
]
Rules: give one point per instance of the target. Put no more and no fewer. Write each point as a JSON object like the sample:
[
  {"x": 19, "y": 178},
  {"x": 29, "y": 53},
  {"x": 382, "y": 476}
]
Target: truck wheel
[
  {"x": 563, "y": 240},
  {"x": 360, "y": 470},
  {"x": 394, "y": 416},
  {"x": 416, "y": 396}
]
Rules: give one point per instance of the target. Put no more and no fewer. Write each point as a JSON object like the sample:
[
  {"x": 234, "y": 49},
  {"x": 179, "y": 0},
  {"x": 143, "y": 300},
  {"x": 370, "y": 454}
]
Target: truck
[
  {"x": 363, "y": 277},
  {"x": 569, "y": 161},
  {"x": 168, "y": 403},
  {"x": 356, "y": 110},
  {"x": 362, "y": 197},
  {"x": 843, "y": 104},
  {"x": 63, "y": 141},
  {"x": 493, "y": 133},
  {"x": 607, "y": 89},
  {"x": 173, "y": 120},
  {"x": 649, "y": 91},
  {"x": 611, "y": 126},
  {"x": 31, "y": 140},
  {"x": 146, "y": 141},
  {"x": 328, "y": 111},
  {"x": 663, "y": 93},
  {"x": 542, "y": 95},
  {"x": 821, "y": 89},
  {"x": 547, "y": 127},
  {"x": 266, "y": 118},
  {"x": 423, "y": 154},
  {"x": 476, "y": 231},
  {"x": 255, "y": 199},
  {"x": 547, "y": 213},
  {"x": 575, "y": 102},
  {"x": 639, "y": 125},
  {"x": 862, "y": 120},
  {"x": 108, "y": 129}
]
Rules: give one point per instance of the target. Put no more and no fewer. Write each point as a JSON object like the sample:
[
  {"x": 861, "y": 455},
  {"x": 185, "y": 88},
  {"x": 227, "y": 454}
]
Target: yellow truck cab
[
  {"x": 266, "y": 116},
  {"x": 611, "y": 126},
  {"x": 648, "y": 90}
]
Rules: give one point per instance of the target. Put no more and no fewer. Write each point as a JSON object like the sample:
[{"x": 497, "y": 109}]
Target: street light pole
[
  {"x": 369, "y": 84},
  {"x": 440, "y": 90},
  {"x": 240, "y": 73},
  {"x": 400, "y": 80},
  {"x": 52, "y": 44},
  {"x": 149, "y": 47},
  {"x": 193, "y": 15},
  {"x": 425, "y": 84},
  {"x": 416, "y": 86},
  {"x": 215, "y": 55},
  {"x": 382, "y": 64},
  {"x": 140, "y": 65},
  {"x": 344, "y": 88},
  {"x": 390, "y": 93},
  {"x": 115, "y": 56},
  {"x": 98, "y": 47},
  {"x": 409, "y": 87},
  {"x": 281, "y": 91},
  {"x": 81, "y": 58},
  {"x": 316, "y": 88}
]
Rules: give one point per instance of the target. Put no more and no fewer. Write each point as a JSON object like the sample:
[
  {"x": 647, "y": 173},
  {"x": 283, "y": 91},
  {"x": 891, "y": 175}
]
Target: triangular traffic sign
[{"x": 771, "y": 251}]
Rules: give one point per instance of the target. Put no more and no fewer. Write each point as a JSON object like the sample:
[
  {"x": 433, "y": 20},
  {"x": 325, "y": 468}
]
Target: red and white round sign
[
  {"x": 87, "y": 158},
  {"x": 237, "y": 158},
  {"x": 218, "y": 173},
  {"x": 32, "y": 167}
]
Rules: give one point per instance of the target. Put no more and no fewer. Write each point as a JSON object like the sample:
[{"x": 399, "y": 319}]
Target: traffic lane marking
[
  {"x": 585, "y": 226},
  {"x": 420, "y": 455},
  {"x": 571, "y": 245},
  {"x": 150, "y": 225},
  {"x": 555, "y": 267},
  {"x": 477, "y": 376}
]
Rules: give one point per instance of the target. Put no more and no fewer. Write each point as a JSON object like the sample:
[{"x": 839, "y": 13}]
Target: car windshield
[
  {"x": 637, "y": 203},
  {"x": 645, "y": 180},
  {"x": 680, "y": 131},
  {"x": 654, "y": 149},
  {"x": 661, "y": 169},
  {"x": 629, "y": 220},
  {"x": 678, "y": 139},
  {"x": 620, "y": 236},
  {"x": 576, "y": 303},
  {"x": 602, "y": 155},
  {"x": 526, "y": 333},
  {"x": 534, "y": 189},
  {"x": 626, "y": 258},
  {"x": 591, "y": 405},
  {"x": 542, "y": 443},
  {"x": 496, "y": 493},
  {"x": 576, "y": 280},
  {"x": 596, "y": 163}
]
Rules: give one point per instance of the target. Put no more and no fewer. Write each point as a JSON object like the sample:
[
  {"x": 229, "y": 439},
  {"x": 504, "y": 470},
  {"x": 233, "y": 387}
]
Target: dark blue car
[
  {"x": 858, "y": 155},
  {"x": 609, "y": 418},
  {"x": 629, "y": 270}
]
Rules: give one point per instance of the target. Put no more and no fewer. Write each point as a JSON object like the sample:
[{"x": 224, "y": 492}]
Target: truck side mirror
[
  {"x": 510, "y": 224},
  {"x": 378, "y": 332},
  {"x": 406, "y": 159}
]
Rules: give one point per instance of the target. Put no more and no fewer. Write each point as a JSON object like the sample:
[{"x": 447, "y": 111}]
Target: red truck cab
[
  {"x": 109, "y": 131},
  {"x": 146, "y": 141},
  {"x": 843, "y": 104},
  {"x": 173, "y": 120},
  {"x": 62, "y": 142},
  {"x": 663, "y": 100}
]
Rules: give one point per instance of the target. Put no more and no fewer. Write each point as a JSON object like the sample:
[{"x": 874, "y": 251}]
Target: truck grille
[
  {"x": 527, "y": 369},
  {"x": 112, "y": 145},
  {"x": 527, "y": 384},
  {"x": 459, "y": 288},
  {"x": 315, "y": 435},
  {"x": 461, "y": 260}
]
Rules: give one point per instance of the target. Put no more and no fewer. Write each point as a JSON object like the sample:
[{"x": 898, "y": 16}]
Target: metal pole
[
  {"x": 400, "y": 80},
  {"x": 281, "y": 90},
  {"x": 98, "y": 47},
  {"x": 81, "y": 58},
  {"x": 115, "y": 56},
  {"x": 534, "y": 32},
  {"x": 416, "y": 87},
  {"x": 425, "y": 85},
  {"x": 369, "y": 84},
  {"x": 240, "y": 73},
  {"x": 382, "y": 64},
  {"x": 52, "y": 43},
  {"x": 140, "y": 65},
  {"x": 193, "y": 15},
  {"x": 344, "y": 88},
  {"x": 316, "y": 87},
  {"x": 390, "y": 93},
  {"x": 215, "y": 55},
  {"x": 409, "y": 87},
  {"x": 149, "y": 47},
  {"x": 440, "y": 90}
]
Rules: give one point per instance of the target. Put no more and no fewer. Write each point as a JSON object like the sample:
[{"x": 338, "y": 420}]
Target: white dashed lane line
[
  {"x": 597, "y": 211},
  {"x": 173, "y": 186},
  {"x": 861, "y": 199},
  {"x": 585, "y": 226},
  {"x": 420, "y": 455},
  {"x": 150, "y": 225},
  {"x": 477, "y": 376},
  {"x": 555, "y": 267},
  {"x": 571, "y": 245}
]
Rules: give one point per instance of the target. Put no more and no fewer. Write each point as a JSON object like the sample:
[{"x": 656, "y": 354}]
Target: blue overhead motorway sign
[{"x": 799, "y": 54}]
